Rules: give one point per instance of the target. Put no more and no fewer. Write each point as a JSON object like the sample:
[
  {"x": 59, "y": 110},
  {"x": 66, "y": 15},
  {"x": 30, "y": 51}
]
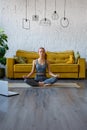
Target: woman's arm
[
  {"x": 32, "y": 70},
  {"x": 49, "y": 71}
]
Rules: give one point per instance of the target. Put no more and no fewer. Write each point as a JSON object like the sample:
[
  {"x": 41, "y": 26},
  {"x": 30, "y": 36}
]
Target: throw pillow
[
  {"x": 20, "y": 60},
  {"x": 77, "y": 56},
  {"x": 71, "y": 60}
]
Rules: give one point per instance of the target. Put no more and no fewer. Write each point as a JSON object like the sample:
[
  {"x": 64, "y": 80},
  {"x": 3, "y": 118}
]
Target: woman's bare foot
[
  {"x": 41, "y": 84},
  {"x": 47, "y": 84}
]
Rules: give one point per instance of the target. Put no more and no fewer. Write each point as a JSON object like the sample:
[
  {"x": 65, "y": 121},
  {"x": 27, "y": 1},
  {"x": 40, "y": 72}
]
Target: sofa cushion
[
  {"x": 22, "y": 67},
  {"x": 30, "y": 55},
  {"x": 27, "y": 54},
  {"x": 57, "y": 61},
  {"x": 61, "y": 57},
  {"x": 20, "y": 60},
  {"x": 64, "y": 68}
]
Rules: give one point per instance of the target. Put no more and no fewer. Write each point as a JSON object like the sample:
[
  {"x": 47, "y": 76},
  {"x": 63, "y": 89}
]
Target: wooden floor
[{"x": 45, "y": 108}]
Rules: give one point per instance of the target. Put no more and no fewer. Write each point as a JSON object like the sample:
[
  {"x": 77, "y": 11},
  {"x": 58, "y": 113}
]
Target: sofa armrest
[
  {"x": 82, "y": 67},
  {"x": 10, "y": 67}
]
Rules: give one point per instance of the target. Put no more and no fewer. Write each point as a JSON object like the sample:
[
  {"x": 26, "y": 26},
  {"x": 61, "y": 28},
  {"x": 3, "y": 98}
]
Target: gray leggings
[{"x": 33, "y": 82}]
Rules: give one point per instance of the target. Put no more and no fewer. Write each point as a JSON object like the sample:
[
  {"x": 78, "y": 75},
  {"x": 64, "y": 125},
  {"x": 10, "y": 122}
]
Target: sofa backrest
[
  {"x": 30, "y": 55},
  {"x": 61, "y": 57},
  {"x": 53, "y": 57}
]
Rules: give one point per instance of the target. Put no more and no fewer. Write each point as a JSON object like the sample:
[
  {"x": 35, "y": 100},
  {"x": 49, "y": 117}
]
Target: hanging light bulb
[
  {"x": 35, "y": 17},
  {"x": 64, "y": 21},
  {"x": 25, "y": 23},
  {"x": 55, "y": 15},
  {"x": 45, "y": 21}
]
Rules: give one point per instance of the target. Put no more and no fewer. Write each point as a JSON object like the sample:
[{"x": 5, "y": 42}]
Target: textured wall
[{"x": 53, "y": 38}]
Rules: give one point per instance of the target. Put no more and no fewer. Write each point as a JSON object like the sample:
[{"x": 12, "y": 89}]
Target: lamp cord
[
  {"x": 35, "y": 7},
  {"x": 26, "y": 8},
  {"x": 64, "y": 8},
  {"x": 45, "y": 10},
  {"x": 55, "y": 5}
]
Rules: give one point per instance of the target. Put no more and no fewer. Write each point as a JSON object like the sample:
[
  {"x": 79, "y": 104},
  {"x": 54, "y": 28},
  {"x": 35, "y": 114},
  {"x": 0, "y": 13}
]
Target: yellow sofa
[{"x": 62, "y": 63}]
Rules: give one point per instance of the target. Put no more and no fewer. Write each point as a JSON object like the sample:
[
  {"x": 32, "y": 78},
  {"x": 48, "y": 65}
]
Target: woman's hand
[
  {"x": 25, "y": 76},
  {"x": 57, "y": 76},
  {"x": 50, "y": 73},
  {"x": 32, "y": 71}
]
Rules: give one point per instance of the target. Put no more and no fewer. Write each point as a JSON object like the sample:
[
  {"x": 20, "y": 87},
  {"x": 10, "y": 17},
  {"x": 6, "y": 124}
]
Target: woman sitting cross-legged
[{"x": 40, "y": 65}]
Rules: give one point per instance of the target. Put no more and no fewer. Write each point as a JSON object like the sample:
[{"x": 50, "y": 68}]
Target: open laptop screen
[{"x": 4, "y": 89}]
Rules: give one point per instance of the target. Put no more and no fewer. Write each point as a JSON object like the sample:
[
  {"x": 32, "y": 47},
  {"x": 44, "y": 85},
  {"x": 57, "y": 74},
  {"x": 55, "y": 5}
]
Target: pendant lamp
[
  {"x": 45, "y": 21},
  {"x": 64, "y": 20},
  {"x": 35, "y": 17},
  {"x": 26, "y": 21},
  {"x": 55, "y": 14}
]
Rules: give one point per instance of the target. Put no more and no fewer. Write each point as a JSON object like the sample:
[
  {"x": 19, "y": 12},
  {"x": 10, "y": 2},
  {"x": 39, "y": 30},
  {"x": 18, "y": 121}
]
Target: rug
[{"x": 61, "y": 85}]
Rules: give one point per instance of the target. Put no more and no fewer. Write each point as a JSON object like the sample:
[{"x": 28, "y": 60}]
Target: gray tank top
[{"x": 41, "y": 68}]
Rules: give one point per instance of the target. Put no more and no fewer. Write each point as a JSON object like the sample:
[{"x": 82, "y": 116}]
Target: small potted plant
[{"x": 3, "y": 49}]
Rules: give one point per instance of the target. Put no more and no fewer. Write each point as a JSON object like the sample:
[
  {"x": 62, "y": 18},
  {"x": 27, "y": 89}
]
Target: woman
[{"x": 41, "y": 64}]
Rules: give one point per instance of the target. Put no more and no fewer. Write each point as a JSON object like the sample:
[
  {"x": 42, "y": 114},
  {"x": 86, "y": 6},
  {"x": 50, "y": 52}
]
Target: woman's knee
[
  {"x": 26, "y": 80},
  {"x": 31, "y": 82},
  {"x": 51, "y": 80},
  {"x": 54, "y": 79}
]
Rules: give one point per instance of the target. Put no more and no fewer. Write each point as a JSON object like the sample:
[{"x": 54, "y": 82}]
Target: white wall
[{"x": 53, "y": 38}]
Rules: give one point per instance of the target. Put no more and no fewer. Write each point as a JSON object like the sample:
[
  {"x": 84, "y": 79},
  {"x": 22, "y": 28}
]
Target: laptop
[{"x": 4, "y": 89}]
